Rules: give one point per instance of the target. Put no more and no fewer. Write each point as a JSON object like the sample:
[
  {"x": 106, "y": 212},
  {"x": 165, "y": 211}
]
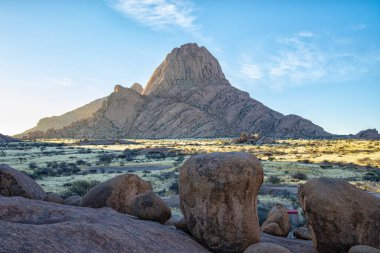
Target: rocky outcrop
[
  {"x": 339, "y": 215},
  {"x": 39, "y": 226},
  {"x": 187, "y": 96},
  {"x": 117, "y": 193},
  {"x": 6, "y": 139},
  {"x": 64, "y": 120},
  {"x": 277, "y": 222},
  {"x": 148, "y": 206},
  {"x": 16, "y": 183},
  {"x": 369, "y": 134},
  {"x": 218, "y": 196},
  {"x": 137, "y": 87},
  {"x": 265, "y": 247}
]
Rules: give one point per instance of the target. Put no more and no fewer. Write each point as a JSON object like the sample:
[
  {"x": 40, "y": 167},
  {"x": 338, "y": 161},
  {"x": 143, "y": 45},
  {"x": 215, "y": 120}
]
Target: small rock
[
  {"x": 16, "y": 183},
  {"x": 116, "y": 193},
  {"x": 363, "y": 249},
  {"x": 181, "y": 225},
  {"x": 302, "y": 233},
  {"x": 74, "y": 200},
  {"x": 277, "y": 222},
  {"x": 148, "y": 206},
  {"x": 263, "y": 247},
  {"x": 53, "y": 197},
  {"x": 218, "y": 196}
]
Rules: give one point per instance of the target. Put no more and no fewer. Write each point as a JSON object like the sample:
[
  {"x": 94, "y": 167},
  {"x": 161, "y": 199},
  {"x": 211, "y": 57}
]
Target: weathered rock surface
[
  {"x": 74, "y": 200},
  {"x": 53, "y": 197},
  {"x": 116, "y": 193},
  {"x": 340, "y": 215},
  {"x": 369, "y": 134},
  {"x": 39, "y": 226},
  {"x": 302, "y": 233},
  {"x": 363, "y": 249},
  {"x": 187, "y": 96},
  {"x": 148, "y": 206},
  {"x": 277, "y": 222},
  {"x": 218, "y": 197},
  {"x": 265, "y": 247},
  {"x": 16, "y": 183}
]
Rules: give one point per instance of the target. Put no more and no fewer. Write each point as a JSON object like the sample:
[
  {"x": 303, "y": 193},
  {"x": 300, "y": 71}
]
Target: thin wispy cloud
[
  {"x": 305, "y": 34},
  {"x": 159, "y": 14},
  {"x": 358, "y": 27},
  {"x": 251, "y": 71},
  {"x": 301, "y": 60}
]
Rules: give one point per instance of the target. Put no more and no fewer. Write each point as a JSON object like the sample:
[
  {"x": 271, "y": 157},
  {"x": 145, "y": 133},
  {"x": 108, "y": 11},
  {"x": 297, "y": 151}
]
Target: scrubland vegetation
[{"x": 68, "y": 168}]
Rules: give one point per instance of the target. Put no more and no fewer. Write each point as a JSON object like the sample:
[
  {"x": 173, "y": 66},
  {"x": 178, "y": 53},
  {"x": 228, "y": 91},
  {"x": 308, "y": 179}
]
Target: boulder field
[{"x": 218, "y": 198}]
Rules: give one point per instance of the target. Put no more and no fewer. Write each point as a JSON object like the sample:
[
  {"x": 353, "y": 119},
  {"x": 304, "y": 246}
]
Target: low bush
[
  {"x": 299, "y": 176},
  {"x": 81, "y": 187},
  {"x": 274, "y": 179}
]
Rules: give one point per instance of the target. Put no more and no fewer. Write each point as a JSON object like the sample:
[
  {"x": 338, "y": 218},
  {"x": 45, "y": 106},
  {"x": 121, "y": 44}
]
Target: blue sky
[{"x": 317, "y": 59}]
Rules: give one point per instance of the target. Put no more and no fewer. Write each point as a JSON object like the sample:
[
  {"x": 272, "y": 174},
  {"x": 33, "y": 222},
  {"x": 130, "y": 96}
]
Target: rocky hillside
[
  {"x": 369, "y": 134},
  {"x": 187, "y": 96},
  {"x": 5, "y": 138}
]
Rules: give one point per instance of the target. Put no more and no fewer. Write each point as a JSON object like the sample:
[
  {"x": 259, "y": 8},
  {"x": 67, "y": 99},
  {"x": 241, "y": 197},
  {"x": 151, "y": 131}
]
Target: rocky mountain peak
[{"x": 188, "y": 64}]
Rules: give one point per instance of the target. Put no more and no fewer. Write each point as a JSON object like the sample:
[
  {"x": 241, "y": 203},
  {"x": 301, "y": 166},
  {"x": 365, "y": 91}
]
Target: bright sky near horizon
[{"x": 317, "y": 59}]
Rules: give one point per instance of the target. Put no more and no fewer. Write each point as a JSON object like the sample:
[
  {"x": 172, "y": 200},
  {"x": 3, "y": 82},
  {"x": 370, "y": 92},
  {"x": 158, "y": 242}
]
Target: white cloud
[
  {"x": 305, "y": 34},
  {"x": 159, "y": 14},
  {"x": 251, "y": 71}
]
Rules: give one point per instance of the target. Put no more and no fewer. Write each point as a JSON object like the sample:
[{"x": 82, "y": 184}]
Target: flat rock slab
[
  {"x": 294, "y": 245},
  {"x": 39, "y": 226}
]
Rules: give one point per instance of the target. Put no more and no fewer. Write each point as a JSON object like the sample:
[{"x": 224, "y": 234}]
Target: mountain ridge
[{"x": 187, "y": 96}]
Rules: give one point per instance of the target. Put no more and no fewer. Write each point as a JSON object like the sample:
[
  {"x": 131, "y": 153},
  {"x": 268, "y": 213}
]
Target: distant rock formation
[
  {"x": 187, "y": 96},
  {"x": 58, "y": 122},
  {"x": 369, "y": 134},
  {"x": 5, "y": 138}
]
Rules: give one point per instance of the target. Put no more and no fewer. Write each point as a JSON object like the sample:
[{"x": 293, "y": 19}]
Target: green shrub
[
  {"x": 299, "y": 176},
  {"x": 274, "y": 179},
  {"x": 81, "y": 187}
]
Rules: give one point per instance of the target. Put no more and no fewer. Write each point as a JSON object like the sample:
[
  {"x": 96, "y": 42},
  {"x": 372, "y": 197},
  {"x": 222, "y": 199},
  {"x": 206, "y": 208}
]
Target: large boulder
[
  {"x": 265, "y": 247},
  {"x": 116, "y": 193},
  {"x": 339, "y": 215},
  {"x": 148, "y": 206},
  {"x": 277, "y": 222},
  {"x": 39, "y": 226},
  {"x": 363, "y": 249},
  {"x": 218, "y": 198},
  {"x": 16, "y": 183}
]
